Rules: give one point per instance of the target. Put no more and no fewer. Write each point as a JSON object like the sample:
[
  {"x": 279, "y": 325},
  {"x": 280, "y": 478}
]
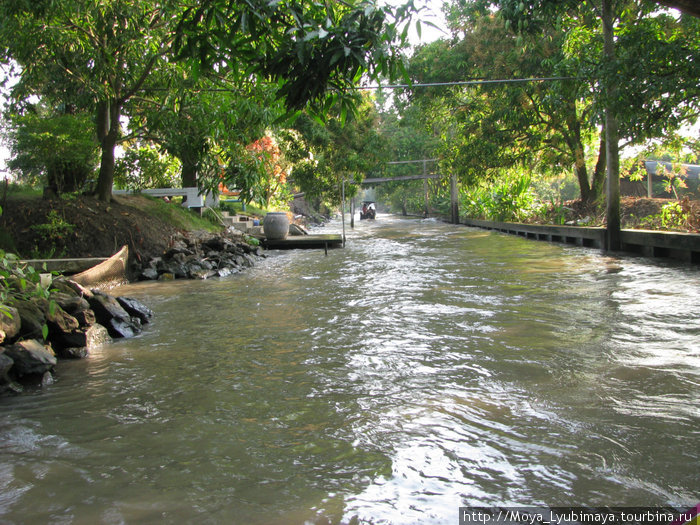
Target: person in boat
[{"x": 368, "y": 210}]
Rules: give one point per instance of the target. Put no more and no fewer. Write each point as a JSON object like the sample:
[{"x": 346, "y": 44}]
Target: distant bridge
[{"x": 379, "y": 180}]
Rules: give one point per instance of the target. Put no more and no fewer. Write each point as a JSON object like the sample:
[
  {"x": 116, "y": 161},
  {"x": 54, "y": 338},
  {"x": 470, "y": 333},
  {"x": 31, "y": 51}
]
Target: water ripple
[{"x": 421, "y": 368}]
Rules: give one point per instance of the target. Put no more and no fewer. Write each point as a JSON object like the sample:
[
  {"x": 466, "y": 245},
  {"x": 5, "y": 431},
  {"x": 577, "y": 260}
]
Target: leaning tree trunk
[
  {"x": 599, "y": 170},
  {"x": 577, "y": 148},
  {"x": 108, "y": 113}
]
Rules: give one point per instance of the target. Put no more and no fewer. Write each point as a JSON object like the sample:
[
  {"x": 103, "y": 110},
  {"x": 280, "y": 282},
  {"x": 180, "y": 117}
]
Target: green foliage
[
  {"x": 186, "y": 73},
  {"x": 509, "y": 199},
  {"x": 485, "y": 129},
  {"x": 20, "y": 282},
  {"x": 674, "y": 215},
  {"x": 52, "y": 235},
  {"x": 674, "y": 151},
  {"x": 656, "y": 66},
  {"x": 552, "y": 126},
  {"x": 307, "y": 47},
  {"x": 408, "y": 139},
  {"x": 56, "y": 150},
  {"x": 253, "y": 241},
  {"x": 237, "y": 208},
  {"x": 17, "y": 190},
  {"x": 143, "y": 166},
  {"x": 178, "y": 216},
  {"x": 94, "y": 56},
  {"x": 322, "y": 155},
  {"x": 558, "y": 189}
]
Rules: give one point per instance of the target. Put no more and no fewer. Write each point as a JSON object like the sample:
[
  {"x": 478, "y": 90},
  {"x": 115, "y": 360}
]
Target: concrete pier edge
[{"x": 648, "y": 243}]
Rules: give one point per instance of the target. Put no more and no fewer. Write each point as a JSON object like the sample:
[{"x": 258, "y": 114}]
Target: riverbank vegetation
[
  {"x": 141, "y": 96},
  {"x": 534, "y": 150}
]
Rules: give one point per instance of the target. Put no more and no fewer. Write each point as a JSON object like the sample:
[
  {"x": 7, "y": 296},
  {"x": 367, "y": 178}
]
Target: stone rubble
[
  {"x": 80, "y": 320},
  {"x": 200, "y": 256}
]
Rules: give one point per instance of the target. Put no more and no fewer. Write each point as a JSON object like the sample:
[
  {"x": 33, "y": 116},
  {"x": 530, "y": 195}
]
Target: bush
[
  {"x": 144, "y": 167},
  {"x": 57, "y": 150},
  {"x": 52, "y": 234}
]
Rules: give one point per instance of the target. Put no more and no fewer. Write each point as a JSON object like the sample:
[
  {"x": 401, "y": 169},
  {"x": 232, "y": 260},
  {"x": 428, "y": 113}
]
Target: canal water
[{"x": 422, "y": 368}]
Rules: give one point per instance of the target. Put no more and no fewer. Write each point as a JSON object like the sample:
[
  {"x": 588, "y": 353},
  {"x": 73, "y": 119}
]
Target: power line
[
  {"x": 411, "y": 161},
  {"x": 465, "y": 83},
  {"x": 394, "y": 86}
]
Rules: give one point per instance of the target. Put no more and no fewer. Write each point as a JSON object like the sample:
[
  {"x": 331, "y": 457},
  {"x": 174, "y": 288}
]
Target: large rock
[
  {"x": 106, "y": 308},
  {"x": 113, "y": 316},
  {"x": 119, "y": 328},
  {"x": 30, "y": 357},
  {"x": 71, "y": 303},
  {"x": 59, "y": 321},
  {"x": 6, "y": 363},
  {"x": 10, "y": 324},
  {"x": 80, "y": 343},
  {"x": 218, "y": 244},
  {"x": 149, "y": 274},
  {"x": 65, "y": 285},
  {"x": 33, "y": 319},
  {"x": 85, "y": 318},
  {"x": 136, "y": 309},
  {"x": 7, "y": 385}
]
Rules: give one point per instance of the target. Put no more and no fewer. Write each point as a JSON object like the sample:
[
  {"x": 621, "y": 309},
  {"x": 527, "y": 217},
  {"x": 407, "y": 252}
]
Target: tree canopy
[
  {"x": 558, "y": 124},
  {"x": 101, "y": 55}
]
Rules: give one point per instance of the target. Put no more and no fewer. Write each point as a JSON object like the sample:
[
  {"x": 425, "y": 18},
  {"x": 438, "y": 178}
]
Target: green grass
[
  {"x": 21, "y": 191},
  {"x": 237, "y": 208},
  {"x": 180, "y": 217}
]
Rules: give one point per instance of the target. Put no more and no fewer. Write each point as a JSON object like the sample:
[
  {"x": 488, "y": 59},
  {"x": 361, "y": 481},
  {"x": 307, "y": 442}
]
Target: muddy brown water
[{"x": 422, "y": 368}]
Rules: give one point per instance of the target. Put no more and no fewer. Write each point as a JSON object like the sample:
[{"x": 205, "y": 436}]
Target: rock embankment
[
  {"x": 70, "y": 323},
  {"x": 200, "y": 255},
  {"x": 73, "y": 320}
]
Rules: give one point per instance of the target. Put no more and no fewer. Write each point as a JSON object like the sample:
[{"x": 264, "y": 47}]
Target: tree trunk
[
  {"x": 612, "y": 135},
  {"x": 599, "y": 171},
  {"x": 108, "y": 113},
  {"x": 587, "y": 194},
  {"x": 575, "y": 144},
  {"x": 189, "y": 174}
]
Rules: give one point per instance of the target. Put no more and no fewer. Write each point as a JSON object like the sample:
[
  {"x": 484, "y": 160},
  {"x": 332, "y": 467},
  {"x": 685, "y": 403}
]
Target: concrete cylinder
[{"x": 276, "y": 225}]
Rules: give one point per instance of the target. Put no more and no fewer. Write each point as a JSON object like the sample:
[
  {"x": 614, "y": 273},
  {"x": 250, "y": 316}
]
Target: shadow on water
[{"x": 422, "y": 368}]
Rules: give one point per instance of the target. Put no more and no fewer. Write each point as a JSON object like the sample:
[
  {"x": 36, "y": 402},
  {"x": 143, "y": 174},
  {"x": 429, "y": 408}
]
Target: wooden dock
[{"x": 305, "y": 242}]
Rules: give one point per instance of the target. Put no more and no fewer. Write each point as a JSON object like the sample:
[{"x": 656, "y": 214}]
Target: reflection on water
[{"x": 422, "y": 368}]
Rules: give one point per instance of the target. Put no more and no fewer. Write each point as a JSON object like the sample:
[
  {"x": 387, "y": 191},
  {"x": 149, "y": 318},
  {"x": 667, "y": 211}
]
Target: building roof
[{"x": 692, "y": 171}]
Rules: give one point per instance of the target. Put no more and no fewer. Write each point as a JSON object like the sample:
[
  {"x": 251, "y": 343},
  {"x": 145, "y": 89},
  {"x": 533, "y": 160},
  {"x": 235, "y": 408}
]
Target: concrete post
[{"x": 454, "y": 196}]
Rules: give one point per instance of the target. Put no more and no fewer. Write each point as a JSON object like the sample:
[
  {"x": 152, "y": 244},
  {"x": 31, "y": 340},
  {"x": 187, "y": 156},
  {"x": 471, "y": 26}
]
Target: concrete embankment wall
[{"x": 676, "y": 245}]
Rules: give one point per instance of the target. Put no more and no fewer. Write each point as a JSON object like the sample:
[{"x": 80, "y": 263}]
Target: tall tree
[
  {"x": 105, "y": 51},
  {"x": 641, "y": 94},
  {"x": 195, "y": 119},
  {"x": 94, "y": 54},
  {"x": 489, "y": 127},
  {"x": 408, "y": 142}
]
